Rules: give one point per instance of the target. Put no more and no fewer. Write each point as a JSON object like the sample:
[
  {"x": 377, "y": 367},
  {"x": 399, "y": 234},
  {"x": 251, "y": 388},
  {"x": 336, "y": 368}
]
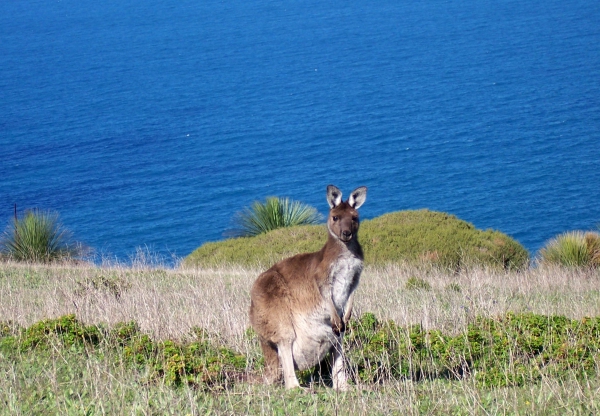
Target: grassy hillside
[{"x": 416, "y": 237}]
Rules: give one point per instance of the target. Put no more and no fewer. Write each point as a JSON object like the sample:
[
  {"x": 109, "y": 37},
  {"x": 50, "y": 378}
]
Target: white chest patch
[
  {"x": 314, "y": 336},
  {"x": 344, "y": 275}
]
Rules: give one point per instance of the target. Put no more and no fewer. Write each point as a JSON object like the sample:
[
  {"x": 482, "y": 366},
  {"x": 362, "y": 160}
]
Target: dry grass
[
  {"x": 168, "y": 303},
  {"x": 165, "y": 303},
  {"x": 455, "y": 298}
]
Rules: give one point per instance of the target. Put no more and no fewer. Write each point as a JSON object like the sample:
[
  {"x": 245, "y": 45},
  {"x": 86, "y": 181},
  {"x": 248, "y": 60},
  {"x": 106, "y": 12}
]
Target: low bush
[
  {"x": 262, "y": 250},
  {"x": 572, "y": 249},
  {"x": 512, "y": 350},
  {"x": 429, "y": 237},
  {"x": 416, "y": 237},
  {"x": 196, "y": 362}
]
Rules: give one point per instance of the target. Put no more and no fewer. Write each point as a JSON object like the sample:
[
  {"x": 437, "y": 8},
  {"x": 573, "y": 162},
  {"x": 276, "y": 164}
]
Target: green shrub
[
  {"x": 262, "y": 250},
  {"x": 416, "y": 237},
  {"x": 512, "y": 350},
  {"x": 196, "y": 362},
  {"x": 37, "y": 237},
  {"x": 67, "y": 329},
  {"x": 572, "y": 249},
  {"x": 428, "y": 237},
  {"x": 274, "y": 213}
]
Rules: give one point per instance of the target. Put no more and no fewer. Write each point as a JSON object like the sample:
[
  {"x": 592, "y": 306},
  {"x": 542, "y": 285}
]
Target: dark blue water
[{"x": 150, "y": 123}]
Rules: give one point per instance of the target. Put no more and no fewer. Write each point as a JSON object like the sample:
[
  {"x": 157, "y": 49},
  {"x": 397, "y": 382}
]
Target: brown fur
[{"x": 300, "y": 306}]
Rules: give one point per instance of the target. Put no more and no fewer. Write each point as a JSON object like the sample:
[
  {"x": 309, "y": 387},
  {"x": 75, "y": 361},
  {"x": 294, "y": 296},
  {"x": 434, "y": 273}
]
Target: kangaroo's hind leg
[
  {"x": 271, "y": 318},
  {"x": 272, "y": 365}
]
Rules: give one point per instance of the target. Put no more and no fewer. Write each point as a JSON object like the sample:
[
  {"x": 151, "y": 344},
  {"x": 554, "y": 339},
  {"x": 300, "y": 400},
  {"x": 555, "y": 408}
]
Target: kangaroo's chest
[
  {"x": 344, "y": 276},
  {"x": 314, "y": 336}
]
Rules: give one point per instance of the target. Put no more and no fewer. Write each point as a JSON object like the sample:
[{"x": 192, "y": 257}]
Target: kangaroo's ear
[
  {"x": 358, "y": 197},
  {"x": 334, "y": 196}
]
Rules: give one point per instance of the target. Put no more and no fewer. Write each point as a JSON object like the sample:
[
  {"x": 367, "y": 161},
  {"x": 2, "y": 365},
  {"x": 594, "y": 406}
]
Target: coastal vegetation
[
  {"x": 419, "y": 237},
  {"x": 448, "y": 320},
  {"x": 38, "y": 237},
  {"x": 117, "y": 340},
  {"x": 573, "y": 249},
  {"x": 274, "y": 213}
]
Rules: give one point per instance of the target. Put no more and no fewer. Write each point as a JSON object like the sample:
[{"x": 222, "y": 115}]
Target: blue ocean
[{"x": 151, "y": 123}]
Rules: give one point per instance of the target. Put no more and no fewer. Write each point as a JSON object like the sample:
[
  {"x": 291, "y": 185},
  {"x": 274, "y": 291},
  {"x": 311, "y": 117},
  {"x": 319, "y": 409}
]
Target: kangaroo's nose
[{"x": 346, "y": 233}]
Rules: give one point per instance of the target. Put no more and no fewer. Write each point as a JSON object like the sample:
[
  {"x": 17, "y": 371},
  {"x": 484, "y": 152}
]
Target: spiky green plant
[
  {"x": 573, "y": 249},
  {"x": 274, "y": 213},
  {"x": 38, "y": 237}
]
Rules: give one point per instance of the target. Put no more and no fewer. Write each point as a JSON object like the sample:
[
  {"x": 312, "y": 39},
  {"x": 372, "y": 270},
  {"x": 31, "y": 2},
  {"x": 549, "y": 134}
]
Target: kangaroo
[{"x": 301, "y": 305}]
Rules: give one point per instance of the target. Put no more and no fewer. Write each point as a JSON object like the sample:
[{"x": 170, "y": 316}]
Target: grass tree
[
  {"x": 274, "y": 213},
  {"x": 38, "y": 237}
]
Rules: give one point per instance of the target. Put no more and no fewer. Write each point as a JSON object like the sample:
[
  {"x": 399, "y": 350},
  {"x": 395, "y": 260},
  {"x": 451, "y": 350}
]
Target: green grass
[
  {"x": 417, "y": 237},
  {"x": 38, "y": 237},
  {"x": 61, "y": 366}
]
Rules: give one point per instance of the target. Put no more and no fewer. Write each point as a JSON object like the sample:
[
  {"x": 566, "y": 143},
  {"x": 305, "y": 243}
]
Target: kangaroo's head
[{"x": 343, "y": 220}]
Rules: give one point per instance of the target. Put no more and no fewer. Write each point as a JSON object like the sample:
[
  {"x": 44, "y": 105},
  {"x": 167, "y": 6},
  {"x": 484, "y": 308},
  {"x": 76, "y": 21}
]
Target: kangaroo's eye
[
  {"x": 355, "y": 219},
  {"x": 335, "y": 218}
]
